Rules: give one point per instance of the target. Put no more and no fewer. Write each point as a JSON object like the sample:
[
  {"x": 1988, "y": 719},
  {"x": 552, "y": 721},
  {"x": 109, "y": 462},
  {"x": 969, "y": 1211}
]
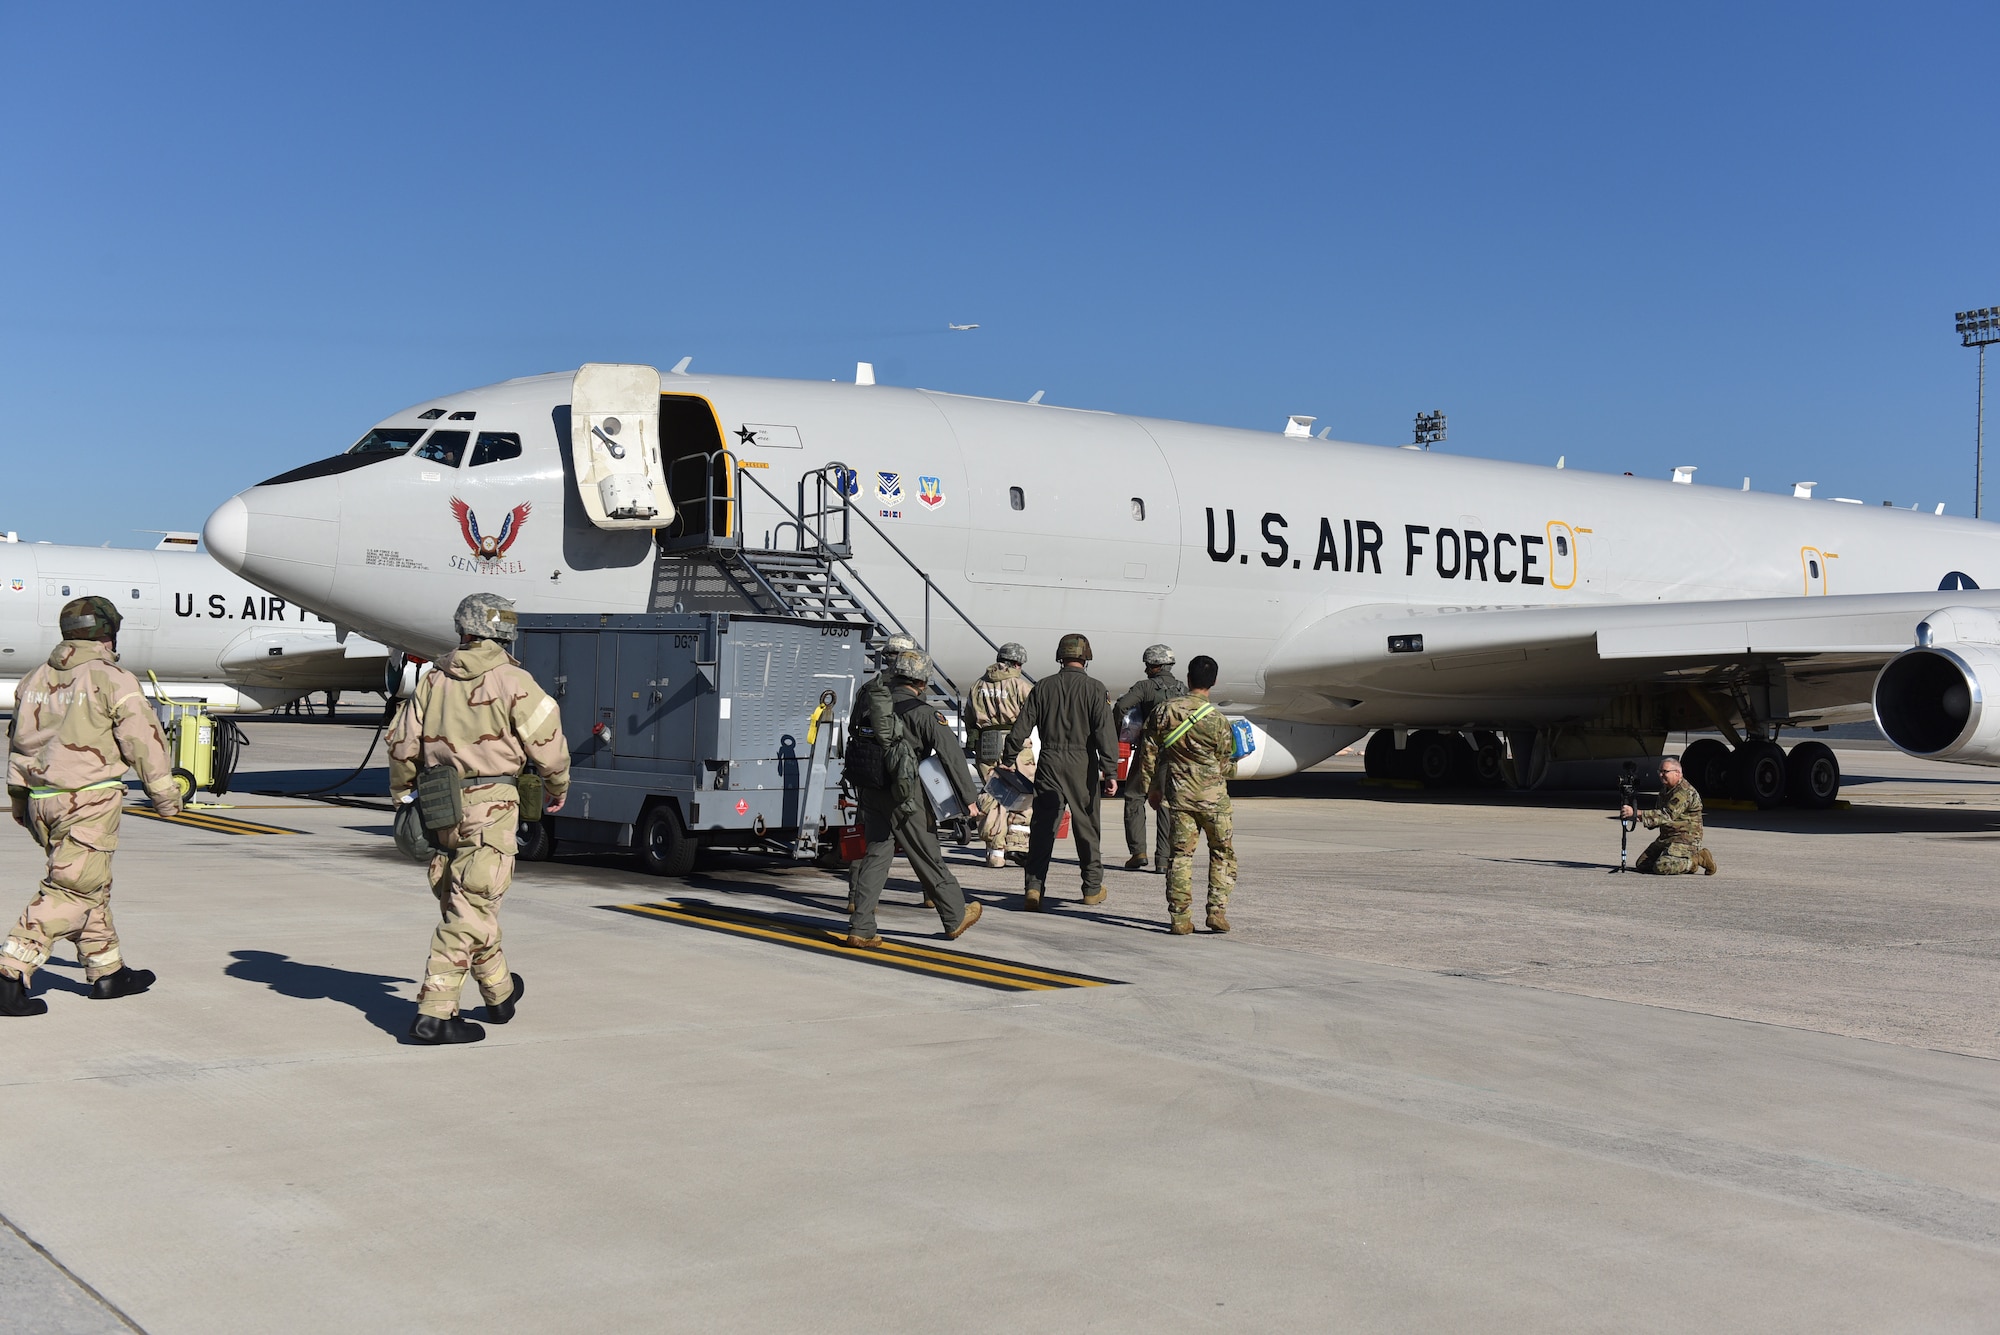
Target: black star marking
[{"x": 746, "y": 435}]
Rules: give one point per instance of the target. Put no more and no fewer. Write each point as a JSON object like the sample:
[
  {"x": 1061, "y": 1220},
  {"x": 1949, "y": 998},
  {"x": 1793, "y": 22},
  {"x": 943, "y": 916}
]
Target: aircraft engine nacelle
[
  {"x": 1286, "y": 748},
  {"x": 400, "y": 674},
  {"x": 1933, "y": 701}
]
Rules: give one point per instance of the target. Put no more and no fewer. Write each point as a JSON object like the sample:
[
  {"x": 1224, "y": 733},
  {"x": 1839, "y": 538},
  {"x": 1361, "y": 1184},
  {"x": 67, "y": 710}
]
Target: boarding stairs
[{"x": 805, "y": 568}]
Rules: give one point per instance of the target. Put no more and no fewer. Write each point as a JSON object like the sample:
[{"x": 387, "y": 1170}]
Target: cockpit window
[
  {"x": 444, "y": 447},
  {"x": 388, "y": 440},
  {"x": 493, "y": 446}
]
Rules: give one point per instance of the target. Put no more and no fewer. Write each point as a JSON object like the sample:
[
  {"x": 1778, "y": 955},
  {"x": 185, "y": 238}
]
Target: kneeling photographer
[{"x": 1677, "y": 849}]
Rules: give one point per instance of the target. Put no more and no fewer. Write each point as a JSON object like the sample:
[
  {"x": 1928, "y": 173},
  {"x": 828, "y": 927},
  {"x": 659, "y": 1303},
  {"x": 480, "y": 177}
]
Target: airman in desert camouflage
[
  {"x": 481, "y": 714},
  {"x": 992, "y": 705},
  {"x": 80, "y": 721},
  {"x": 1186, "y": 759}
]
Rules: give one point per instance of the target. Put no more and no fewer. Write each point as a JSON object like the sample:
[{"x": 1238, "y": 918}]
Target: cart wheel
[
  {"x": 184, "y": 785},
  {"x": 662, "y": 844},
  {"x": 535, "y": 840}
]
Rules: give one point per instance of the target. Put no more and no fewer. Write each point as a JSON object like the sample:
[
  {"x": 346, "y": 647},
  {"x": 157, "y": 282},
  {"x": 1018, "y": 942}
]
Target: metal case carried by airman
[{"x": 698, "y": 729}]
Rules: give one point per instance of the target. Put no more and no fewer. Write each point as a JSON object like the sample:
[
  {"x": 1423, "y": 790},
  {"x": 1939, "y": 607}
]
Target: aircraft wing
[{"x": 1363, "y": 659}]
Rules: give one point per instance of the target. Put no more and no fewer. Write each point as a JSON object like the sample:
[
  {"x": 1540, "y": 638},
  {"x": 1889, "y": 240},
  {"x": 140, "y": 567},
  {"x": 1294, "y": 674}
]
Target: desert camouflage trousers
[
  {"x": 80, "y": 833},
  {"x": 1665, "y": 857},
  {"x": 1219, "y": 827},
  {"x": 996, "y": 823},
  {"x": 468, "y": 881}
]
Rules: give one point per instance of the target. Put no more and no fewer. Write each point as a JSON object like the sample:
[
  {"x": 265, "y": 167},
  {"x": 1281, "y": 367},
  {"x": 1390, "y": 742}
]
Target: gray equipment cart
[{"x": 703, "y": 729}]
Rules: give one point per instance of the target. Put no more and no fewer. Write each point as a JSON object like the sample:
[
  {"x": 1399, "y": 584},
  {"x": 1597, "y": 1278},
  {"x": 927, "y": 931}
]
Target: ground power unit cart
[{"x": 693, "y": 730}]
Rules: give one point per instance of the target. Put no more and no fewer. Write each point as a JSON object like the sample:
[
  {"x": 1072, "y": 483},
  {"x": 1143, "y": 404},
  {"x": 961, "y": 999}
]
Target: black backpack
[{"x": 880, "y": 754}]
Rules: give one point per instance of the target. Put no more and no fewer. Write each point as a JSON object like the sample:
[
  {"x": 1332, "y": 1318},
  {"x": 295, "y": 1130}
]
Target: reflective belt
[
  {"x": 39, "y": 793},
  {"x": 1186, "y": 724}
]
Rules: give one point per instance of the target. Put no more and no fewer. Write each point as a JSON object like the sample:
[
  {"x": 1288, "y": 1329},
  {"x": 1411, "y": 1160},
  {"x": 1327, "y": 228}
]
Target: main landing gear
[{"x": 1763, "y": 772}]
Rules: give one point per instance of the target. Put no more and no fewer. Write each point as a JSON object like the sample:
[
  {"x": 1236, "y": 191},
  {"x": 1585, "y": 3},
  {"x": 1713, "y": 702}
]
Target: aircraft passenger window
[
  {"x": 430, "y": 415},
  {"x": 445, "y": 447},
  {"x": 1016, "y": 498},
  {"x": 388, "y": 440},
  {"x": 1139, "y": 508},
  {"x": 493, "y": 446},
  {"x": 1562, "y": 545}
]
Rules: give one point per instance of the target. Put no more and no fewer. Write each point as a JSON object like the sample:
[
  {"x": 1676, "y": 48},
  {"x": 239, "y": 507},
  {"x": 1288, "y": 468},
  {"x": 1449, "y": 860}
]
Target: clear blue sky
[{"x": 1726, "y": 235}]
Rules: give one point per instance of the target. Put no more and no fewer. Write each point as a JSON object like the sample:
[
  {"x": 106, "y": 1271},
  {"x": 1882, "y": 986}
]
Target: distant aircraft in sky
[{"x": 949, "y": 325}]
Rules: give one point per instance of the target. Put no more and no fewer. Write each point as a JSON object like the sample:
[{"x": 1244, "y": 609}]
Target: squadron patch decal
[
  {"x": 930, "y": 491},
  {"x": 488, "y": 549},
  {"x": 847, "y": 482},
  {"x": 889, "y": 486},
  {"x": 17, "y": 586}
]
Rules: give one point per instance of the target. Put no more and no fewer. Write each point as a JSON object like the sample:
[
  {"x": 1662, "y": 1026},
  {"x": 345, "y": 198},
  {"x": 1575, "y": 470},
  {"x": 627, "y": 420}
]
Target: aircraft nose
[{"x": 227, "y": 535}]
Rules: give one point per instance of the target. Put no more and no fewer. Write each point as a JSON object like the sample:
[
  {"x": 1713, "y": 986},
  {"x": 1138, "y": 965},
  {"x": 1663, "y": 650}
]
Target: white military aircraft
[
  {"x": 1487, "y": 617},
  {"x": 960, "y": 327},
  {"x": 205, "y": 633}
]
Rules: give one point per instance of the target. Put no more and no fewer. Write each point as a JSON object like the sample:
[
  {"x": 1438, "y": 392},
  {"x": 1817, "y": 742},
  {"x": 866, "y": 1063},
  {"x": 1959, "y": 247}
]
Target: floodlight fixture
[{"x": 1430, "y": 429}]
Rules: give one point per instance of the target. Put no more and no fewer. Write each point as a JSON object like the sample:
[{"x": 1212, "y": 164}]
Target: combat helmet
[
  {"x": 1158, "y": 655},
  {"x": 1073, "y": 647},
  {"x": 1012, "y": 652},
  {"x": 486, "y": 616},
  {"x": 91, "y": 618},
  {"x": 911, "y": 665}
]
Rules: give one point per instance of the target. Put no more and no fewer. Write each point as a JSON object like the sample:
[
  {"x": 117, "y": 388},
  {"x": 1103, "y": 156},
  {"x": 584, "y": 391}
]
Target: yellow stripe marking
[
  {"x": 986, "y": 972},
  {"x": 213, "y": 824}
]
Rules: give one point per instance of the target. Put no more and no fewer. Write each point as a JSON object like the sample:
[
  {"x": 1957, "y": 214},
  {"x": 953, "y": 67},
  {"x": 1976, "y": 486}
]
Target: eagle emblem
[{"x": 488, "y": 547}]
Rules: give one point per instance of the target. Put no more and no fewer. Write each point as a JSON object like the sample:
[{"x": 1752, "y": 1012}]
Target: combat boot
[
  {"x": 14, "y": 998},
  {"x": 126, "y": 982},
  {"x": 1218, "y": 921},
  {"x": 504, "y": 1012},
  {"x": 996, "y": 859},
  {"x": 430, "y": 1031},
  {"x": 973, "y": 908},
  {"x": 1097, "y": 896},
  {"x": 1706, "y": 861},
  {"x": 865, "y": 942},
  {"x": 1032, "y": 899},
  {"x": 1182, "y": 925},
  {"x": 1135, "y": 862}
]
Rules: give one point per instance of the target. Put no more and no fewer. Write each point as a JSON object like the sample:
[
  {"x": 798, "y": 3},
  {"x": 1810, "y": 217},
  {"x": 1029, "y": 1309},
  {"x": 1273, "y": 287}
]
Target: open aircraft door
[{"x": 614, "y": 445}]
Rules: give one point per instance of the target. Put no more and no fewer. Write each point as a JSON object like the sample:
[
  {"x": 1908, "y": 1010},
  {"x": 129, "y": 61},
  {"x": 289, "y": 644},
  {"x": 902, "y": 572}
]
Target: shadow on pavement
[
  {"x": 376, "y": 996},
  {"x": 53, "y": 982}
]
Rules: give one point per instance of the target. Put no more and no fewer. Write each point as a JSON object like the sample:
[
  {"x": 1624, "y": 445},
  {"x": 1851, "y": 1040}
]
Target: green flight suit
[
  {"x": 1150, "y": 690},
  {"x": 1079, "y": 752},
  {"x": 890, "y": 818}
]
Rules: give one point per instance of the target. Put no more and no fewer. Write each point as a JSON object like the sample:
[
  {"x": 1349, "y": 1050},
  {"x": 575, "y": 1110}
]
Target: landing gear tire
[
  {"x": 1757, "y": 774},
  {"x": 1436, "y": 758},
  {"x": 1812, "y": 775},
  {"x": 662, "y": 844},
  {"x": 1705, "y": 764},
  {"x": 534, "y": 839},
  {"x": 1489, "y": 761},
  {"x": 1379, "y": 759}
]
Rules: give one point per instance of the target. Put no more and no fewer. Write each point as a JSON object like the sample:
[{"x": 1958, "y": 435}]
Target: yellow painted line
[
  {"x": 213, "y": 824},
  {"x": 983, "y": 971},
  {"x": 830, "y": 946},
  {"x": 1059, "y": 977}
]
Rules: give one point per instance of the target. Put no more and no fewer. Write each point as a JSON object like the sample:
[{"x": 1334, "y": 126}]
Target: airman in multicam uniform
[
  {"x": 1158, "y": 685},
  {"x": 80, "y": 721},
  {"x": 992, "y": 705},
  {"x": 1186, "y": 759},
  {"x": 481, "y": 714},
  {"x": 1677, "y": 849}
]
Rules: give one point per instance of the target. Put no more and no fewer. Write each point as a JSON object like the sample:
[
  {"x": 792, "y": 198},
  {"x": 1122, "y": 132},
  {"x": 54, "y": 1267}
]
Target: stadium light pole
[
  {"x": 1429, "y": 429},
  {"x": 1977, "y": 329}
]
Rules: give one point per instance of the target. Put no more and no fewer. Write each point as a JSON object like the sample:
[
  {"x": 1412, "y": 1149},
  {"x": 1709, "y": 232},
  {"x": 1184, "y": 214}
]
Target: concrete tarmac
[{"x": 1447, "y": 1072}]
